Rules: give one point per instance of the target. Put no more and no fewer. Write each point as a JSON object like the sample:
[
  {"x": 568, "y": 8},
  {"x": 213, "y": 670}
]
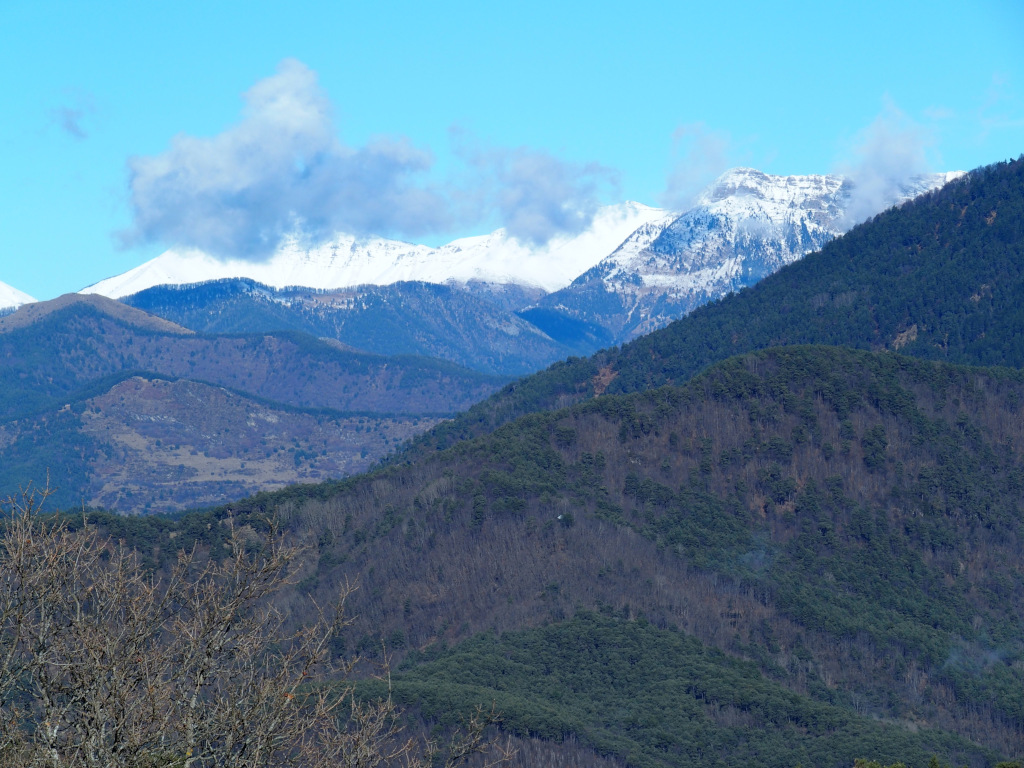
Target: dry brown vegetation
[{"x": 103, "y": 663}]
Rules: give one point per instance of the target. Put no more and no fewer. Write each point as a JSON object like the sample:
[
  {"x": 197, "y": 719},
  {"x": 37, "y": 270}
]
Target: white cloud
[
  {"x": 701, "y": 155},
  {"x": 281, "y": 170},
  {"x": 885, "y": 156},
  {"x": 536, "y": 195}
]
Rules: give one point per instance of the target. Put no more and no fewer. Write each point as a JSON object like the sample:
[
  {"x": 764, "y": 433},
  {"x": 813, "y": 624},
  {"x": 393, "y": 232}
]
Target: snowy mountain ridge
[
  {"x": 743, "y": 227},
  {"x": 746, "y": 214},
  {"x": 346, "y": 261},
  {"x": 634, "y": 270},
  {"x": 11, "y": 298}
]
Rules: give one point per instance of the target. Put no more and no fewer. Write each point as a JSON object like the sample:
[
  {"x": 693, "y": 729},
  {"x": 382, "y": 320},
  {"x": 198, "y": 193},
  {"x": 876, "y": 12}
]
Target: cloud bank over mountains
[
  {"x": 536, "y": 195},
  {"x": 281, "y": 171}
]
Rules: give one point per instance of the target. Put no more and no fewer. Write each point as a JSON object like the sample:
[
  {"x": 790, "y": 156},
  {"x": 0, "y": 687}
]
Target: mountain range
[
  {"x": 784, "y": 529},
  {"x": 121, "y": 409},
  {"x": 477, "y": 329},
  {"x": 913, "y": 280},
  {"x": 346, "y": 261},
  {"x": 114, "y": 402},
  {"x": 504, "y": 307},
  {"x": 741, "y": 229}
]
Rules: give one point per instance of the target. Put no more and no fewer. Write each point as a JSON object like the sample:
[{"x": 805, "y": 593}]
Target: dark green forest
[{"x": 651, "y": 697}]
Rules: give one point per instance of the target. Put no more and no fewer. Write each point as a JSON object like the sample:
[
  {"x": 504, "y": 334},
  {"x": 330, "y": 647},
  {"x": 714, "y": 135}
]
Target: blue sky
[{"x": 129, "y": 127}]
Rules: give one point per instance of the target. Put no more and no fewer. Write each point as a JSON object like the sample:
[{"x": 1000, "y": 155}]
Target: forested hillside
[
  {"x": 652, "y": 697},
  {"x": 848, "y": 523},
  {"x": 941, "y": 277}
]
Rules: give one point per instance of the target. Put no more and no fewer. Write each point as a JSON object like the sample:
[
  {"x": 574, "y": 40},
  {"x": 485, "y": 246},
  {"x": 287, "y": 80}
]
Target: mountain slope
[
  {"x": 42, "y": 310},
  {"x": 141, "y": 443},
  {"x": 96, "y": 393},
  {"x": 654, "y": 698},
  {"x": 742, "y": 228},
  {"x": 69, "y": 349},
  {"x": 940, "y": 277},
  {"x": 846, "y": 522}
]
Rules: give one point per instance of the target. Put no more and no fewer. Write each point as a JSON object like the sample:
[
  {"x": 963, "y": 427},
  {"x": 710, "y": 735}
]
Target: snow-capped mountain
[
  {"x": 635, "y": 269},
  {"x": 347, "y": 261},
  {"x": 743, "y": 227},
  {"x": 11, "y": 298}
]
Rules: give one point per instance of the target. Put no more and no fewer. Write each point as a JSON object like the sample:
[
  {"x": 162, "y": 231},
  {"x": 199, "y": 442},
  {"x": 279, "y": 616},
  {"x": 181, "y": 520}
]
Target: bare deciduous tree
[{"x": 105, "y": 664}]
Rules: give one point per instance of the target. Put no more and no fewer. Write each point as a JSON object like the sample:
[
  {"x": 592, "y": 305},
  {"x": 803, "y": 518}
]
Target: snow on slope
[
  {"x": 347, "y": 261},
  {"x": 12, "y": 298},
  {"x": 746, "y": 222},
  {"x": 743, "y": 227}
]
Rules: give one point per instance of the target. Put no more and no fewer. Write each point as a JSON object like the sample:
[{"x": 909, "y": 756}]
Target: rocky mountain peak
[{"x": 742, "y": 227}]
